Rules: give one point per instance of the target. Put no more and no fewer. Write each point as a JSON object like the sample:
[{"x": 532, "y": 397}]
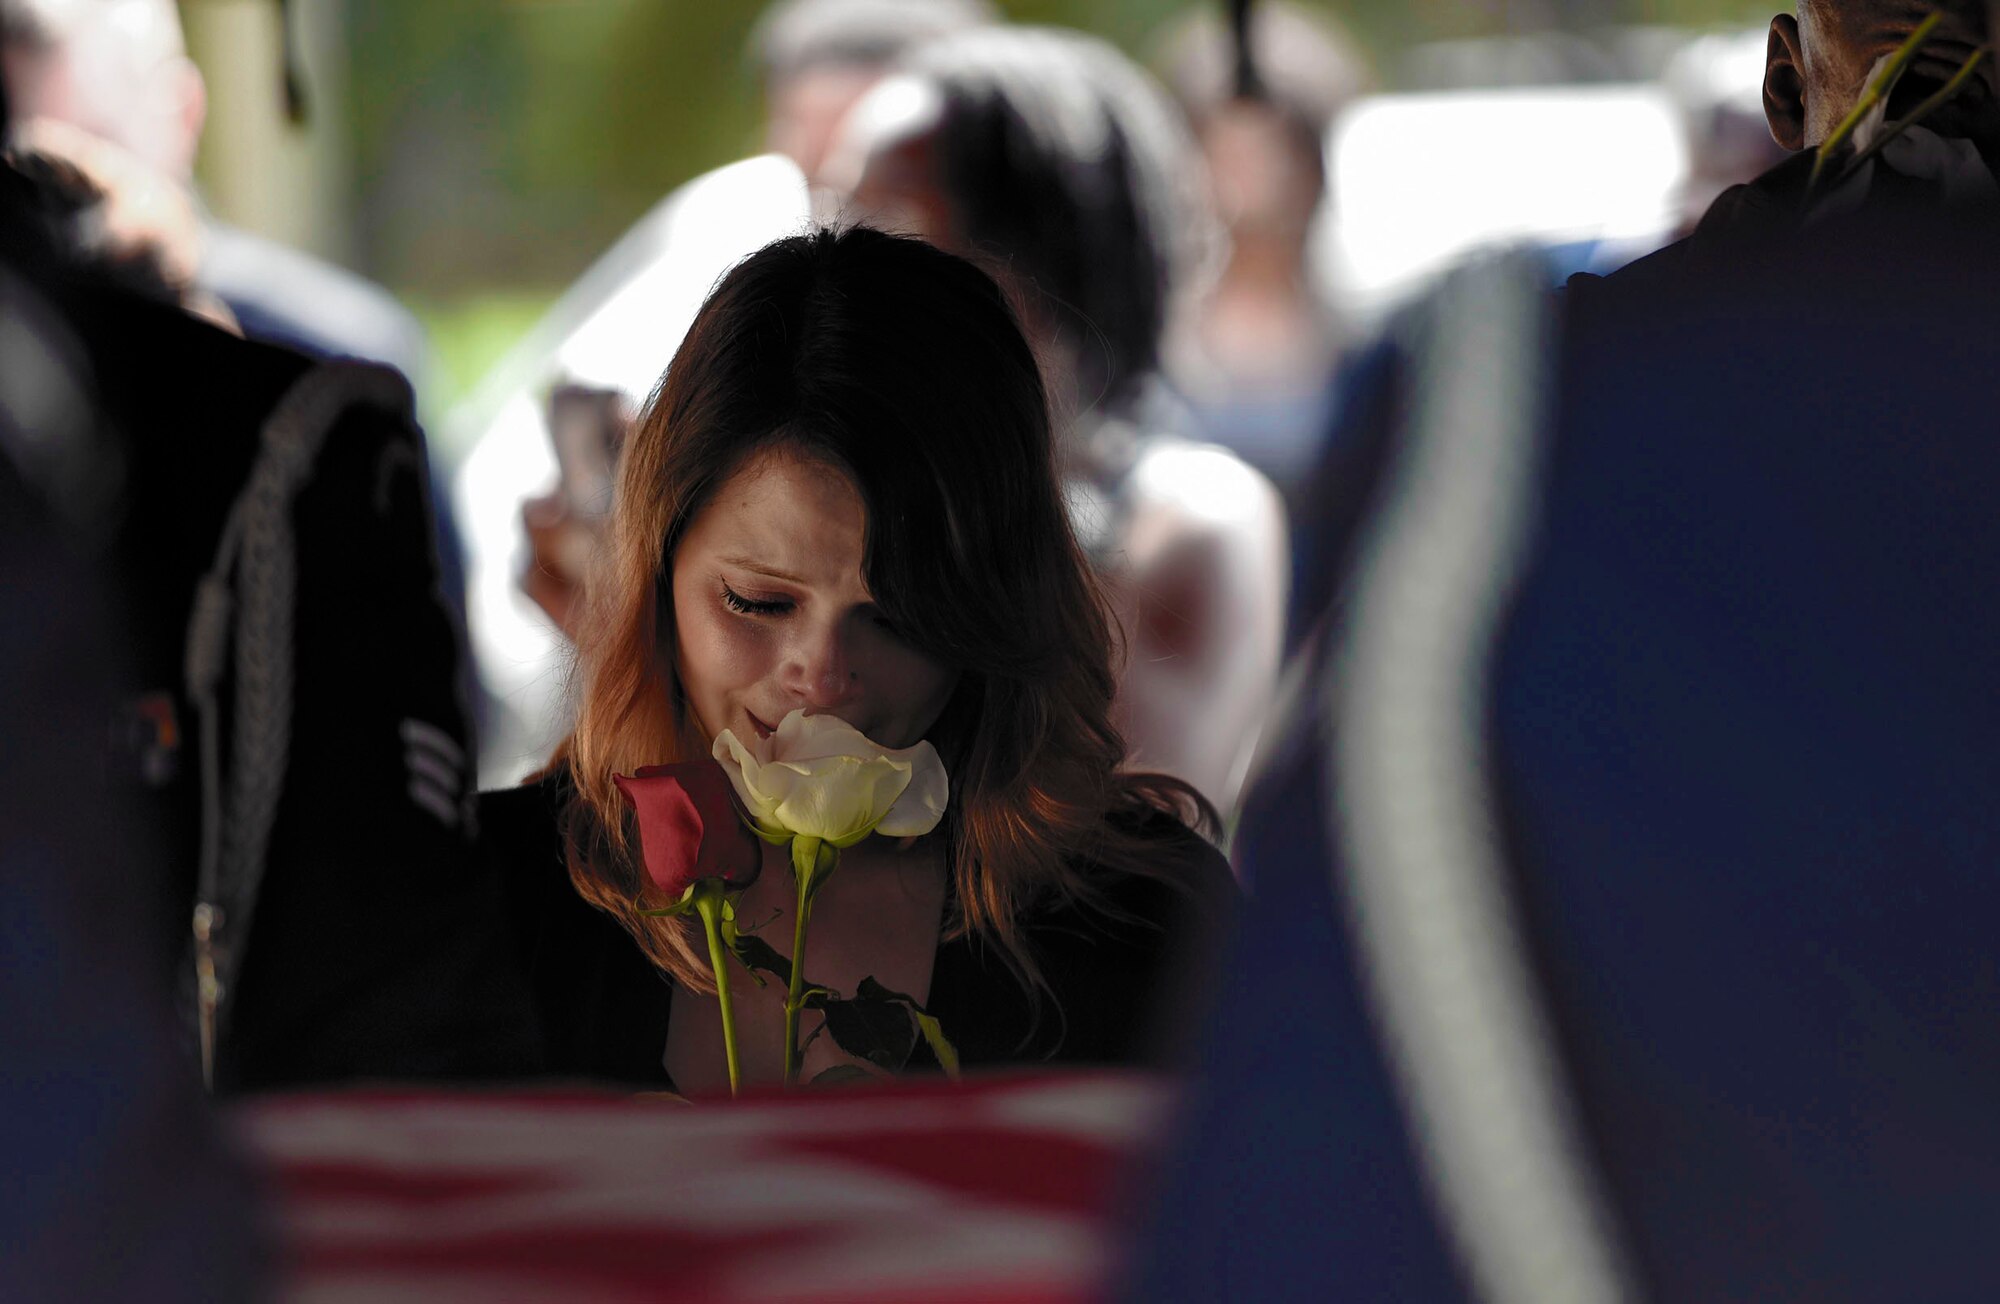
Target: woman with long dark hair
[{"x": 843, "y": 500}]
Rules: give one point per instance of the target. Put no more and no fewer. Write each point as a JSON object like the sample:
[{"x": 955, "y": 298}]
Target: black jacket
[
  {"x": 603, "y": 1007},
  {"x": 366, "y": 954}
]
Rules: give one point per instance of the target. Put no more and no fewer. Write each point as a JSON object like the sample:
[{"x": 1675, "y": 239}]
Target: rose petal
[
  {"x": 747, "y": 776},
  {"x": 841, "y": 798},
  {"x": 922, "y": 802},
  {"x": 819, "y": 776},
  {"x": 802, "y": 737},
  {"x": 669, "y": 829},
  {"x": 689, "y": 825}
]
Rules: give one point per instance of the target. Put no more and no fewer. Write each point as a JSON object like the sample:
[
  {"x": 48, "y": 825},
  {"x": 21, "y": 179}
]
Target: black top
[{"x": 603, "y": 1007}]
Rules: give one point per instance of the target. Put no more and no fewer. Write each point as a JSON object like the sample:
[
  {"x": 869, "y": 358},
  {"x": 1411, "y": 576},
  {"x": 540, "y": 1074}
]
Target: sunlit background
[
  {"x": 478, "y": 158},
  {"x": 476, "y": 155}
]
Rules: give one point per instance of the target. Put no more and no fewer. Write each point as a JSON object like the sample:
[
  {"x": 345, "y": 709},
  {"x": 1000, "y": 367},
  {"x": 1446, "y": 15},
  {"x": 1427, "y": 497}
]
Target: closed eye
[{"x": 754, "y": 606}]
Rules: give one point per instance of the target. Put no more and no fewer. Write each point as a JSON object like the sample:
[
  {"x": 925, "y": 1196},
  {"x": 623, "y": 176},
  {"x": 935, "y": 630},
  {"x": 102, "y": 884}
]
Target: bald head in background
[
  {"x": 1818, "y": 63},
  {"x": 819, "y": 57},
  {"x": 117, "y": 69}
]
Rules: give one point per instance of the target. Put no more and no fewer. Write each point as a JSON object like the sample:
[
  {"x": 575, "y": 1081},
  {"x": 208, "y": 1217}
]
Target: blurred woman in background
[
  {"x": 1256, "y": 357},
  {"x": 1050, "y": 158}
]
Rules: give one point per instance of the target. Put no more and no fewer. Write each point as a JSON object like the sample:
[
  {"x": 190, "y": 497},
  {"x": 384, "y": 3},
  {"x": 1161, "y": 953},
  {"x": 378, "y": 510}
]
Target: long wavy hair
[{"x": 905, "y": 368}]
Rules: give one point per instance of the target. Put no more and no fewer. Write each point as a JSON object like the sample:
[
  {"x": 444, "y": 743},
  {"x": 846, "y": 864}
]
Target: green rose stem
[
  {"x": 708, "y": 904},
  {"x": 1936, "y": 100},
  {"x": 812, "y": 861},
  {"x": 1872, "y": 96}
]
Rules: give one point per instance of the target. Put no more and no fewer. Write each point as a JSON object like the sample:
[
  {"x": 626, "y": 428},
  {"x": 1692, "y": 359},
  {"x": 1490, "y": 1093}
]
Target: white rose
[{"x": 820, "y": 777}]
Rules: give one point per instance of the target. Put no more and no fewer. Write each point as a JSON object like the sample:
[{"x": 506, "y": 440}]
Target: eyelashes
[
  {"x": 783, "y": 606},
  {"x": 752, "y": 606}
]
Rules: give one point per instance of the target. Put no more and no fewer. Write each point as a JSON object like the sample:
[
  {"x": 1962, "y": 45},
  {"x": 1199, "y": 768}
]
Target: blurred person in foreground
[
  {"x": 119, "y": 1185},
  {"x": 1055, "y": 161},
  {"x": 293, "y": 739},
  {"x": 1628, "y": 852},
  {"x": 298, "y": 735},
  {"x": 119, "y": 1181},
  {"x": 1810, "y": 84},
  {"x": 1256, "y": 355}
]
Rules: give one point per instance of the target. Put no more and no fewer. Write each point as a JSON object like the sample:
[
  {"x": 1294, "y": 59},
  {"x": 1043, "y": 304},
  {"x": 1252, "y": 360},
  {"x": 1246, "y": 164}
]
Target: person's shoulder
[
  {"x": 1177, "y": 867},
  {"x": 156, "y": 366},
  {"x": 1205, "y": 536},
  {"x": 1657, "y": 267},
  {"x": 1123, "y": 957},
  {"x": 1209, "y": 487},
  {"x": 1755, "y": 213},
  {"x": 520, "y": 829},
  {"x": 1145, "y": 819},
  {"x": 1771, "y": 202},
  {"x": 533, "y": 801},
  {"x": 130, "y": 332}
]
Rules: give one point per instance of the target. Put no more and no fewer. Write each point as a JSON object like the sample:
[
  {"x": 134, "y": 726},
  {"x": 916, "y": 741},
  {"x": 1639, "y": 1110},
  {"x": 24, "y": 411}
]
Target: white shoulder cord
[
  {"x": 257, "y": 544},
  {"x": 1481, "y": 1078}
]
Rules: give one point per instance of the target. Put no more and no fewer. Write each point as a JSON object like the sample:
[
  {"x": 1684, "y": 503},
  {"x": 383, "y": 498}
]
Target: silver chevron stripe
[
  {"x": 1469, "y": 1040},
  {"x": 418, "y": 734}
]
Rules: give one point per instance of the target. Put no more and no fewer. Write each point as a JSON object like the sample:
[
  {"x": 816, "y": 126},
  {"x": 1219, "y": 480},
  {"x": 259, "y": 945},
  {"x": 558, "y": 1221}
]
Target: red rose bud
[{"x": 689, "y": 828}]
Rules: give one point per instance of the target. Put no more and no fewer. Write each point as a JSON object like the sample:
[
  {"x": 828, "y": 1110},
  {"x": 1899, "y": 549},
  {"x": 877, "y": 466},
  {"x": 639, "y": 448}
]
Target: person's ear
[{"x": 1785, "y": 83}]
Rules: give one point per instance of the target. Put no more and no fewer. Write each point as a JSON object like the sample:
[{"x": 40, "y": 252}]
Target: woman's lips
[{"x": 763, "y": 730}]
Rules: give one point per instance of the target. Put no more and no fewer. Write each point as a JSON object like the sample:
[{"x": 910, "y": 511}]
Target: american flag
[{"x": 991, "y": 1191}]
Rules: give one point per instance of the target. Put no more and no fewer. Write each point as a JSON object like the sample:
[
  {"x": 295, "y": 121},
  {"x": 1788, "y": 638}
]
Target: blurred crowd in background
[{"x": 1231, "y": 214}]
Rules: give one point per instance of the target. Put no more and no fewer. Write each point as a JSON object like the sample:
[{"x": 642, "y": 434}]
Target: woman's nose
[{"x": 821, "y": 672}]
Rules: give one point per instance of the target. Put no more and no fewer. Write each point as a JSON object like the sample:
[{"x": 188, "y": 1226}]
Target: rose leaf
[
  {"x": 881, "y": 1032},
  {"x": 927, "y": 1023}
]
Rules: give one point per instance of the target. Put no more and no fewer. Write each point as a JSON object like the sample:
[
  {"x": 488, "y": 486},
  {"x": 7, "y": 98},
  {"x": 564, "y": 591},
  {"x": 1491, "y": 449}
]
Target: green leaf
[
  {"x": 927, "y": 1023},
  {"x": 933, "y": 1032},
  {"x": 881, "y": 1032},
  {"x": 755, "y": 954},
  {"x": 841, "y": 1075},
  {"x": 870, "y": 990}
]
